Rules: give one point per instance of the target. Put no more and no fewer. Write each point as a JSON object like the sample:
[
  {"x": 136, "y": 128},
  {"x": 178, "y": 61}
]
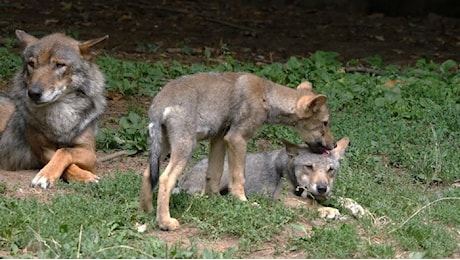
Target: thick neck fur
[
  {"x": 76, "y": 118},
  {"x": 281, "y": 102},
  {"x": 65, "y": 118}
]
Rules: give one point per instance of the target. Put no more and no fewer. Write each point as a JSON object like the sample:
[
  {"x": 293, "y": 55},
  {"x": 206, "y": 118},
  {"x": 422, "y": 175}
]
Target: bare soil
[
  {"x": 260, "y": 31},
  {"x": 251, "y": 30}
]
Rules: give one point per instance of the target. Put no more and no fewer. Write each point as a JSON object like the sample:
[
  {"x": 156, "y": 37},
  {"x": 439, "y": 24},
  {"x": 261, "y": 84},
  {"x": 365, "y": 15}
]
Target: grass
[{"x": 403, "y": 123}]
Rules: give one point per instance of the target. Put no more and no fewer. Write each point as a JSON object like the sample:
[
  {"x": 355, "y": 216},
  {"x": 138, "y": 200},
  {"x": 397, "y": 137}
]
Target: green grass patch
[
  {"x": 339, "y": 241},
  {"x": 403, "y": 123},
  {"x": 95, "y": 221},
  {"x": 253, "y": 223}
]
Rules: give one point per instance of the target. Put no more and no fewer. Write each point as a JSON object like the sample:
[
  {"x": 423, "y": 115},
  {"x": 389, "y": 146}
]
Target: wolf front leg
[
  {"x": 79, "y": 159},
  {"x": 215, "y": 165},
  {"x": 75, "y": 173},
  {"x": 236, "y": 160},
  {"x": 74, "y": 163},
  {"x": 328, "y": 212}
]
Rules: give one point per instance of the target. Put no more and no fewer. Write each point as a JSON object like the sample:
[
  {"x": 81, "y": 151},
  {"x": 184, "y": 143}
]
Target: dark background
[{"x": 401, "y": 32}]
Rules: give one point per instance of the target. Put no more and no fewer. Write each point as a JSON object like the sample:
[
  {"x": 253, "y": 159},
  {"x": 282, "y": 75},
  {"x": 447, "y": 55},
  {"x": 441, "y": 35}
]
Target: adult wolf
[
  {"x": 49, "y": 118},
  {"x": 228, "y": 108}
]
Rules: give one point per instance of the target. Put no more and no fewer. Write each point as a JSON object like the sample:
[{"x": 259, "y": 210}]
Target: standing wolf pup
[
  {"x": 49, "y": 118},
  {"x": 228, "y": 108}
]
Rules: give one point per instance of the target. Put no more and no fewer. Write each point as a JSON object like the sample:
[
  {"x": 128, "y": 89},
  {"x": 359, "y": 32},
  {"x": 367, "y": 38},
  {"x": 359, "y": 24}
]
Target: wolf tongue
[{"x": 326, "y": 152}]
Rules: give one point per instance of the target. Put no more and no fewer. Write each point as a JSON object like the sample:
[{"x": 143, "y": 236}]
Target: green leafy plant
[
  {"x": 132, "y": 78},
  {"x": 9, "y": 64},
  {"x": 131, "y": 135}
]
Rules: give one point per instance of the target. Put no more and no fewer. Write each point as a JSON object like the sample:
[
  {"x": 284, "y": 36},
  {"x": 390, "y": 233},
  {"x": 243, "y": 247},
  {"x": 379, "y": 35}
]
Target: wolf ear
[
  {"x": 85, "y": 47},
  {"x": 25, "y": 38},
  {"x": 293, "y": 150},
  {"x": 342, "y": 145},
  {"x": 306, "y": 85},
  {"x": 309, "y": 104}
]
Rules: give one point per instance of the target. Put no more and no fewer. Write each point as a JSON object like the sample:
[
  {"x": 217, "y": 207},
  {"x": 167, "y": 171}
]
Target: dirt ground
[
  {"x": 180, "y": 30},
  {"x": 158, "y": 30}
]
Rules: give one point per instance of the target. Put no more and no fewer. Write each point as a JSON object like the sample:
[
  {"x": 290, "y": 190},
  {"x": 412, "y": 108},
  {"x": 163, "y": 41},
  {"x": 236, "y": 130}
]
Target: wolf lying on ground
[
  {"x": 310, "y": 175},
  {"x": 49, "y": 118},
  {"x": 265, "y": 173},
  {"x": 227, "y": 108}
]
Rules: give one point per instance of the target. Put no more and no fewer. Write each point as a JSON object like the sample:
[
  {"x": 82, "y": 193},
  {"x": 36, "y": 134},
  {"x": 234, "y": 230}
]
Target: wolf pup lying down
[
  {"x": 309, "y": 174},
  {"x": 49, "y": 118},
  {"x": 227, "y": 108}
]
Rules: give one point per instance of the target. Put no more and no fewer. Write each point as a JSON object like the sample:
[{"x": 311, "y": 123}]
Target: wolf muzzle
[
  {"x": 35, "y": 93},
  {"x": 320, "y": 147}
]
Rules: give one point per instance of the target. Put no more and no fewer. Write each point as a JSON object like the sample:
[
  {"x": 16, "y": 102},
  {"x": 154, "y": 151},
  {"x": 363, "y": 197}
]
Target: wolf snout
[
  {"x": 321, "y": 188},
  {"x": 35, "y": 93},
  {"x": 320, "y": 147}
]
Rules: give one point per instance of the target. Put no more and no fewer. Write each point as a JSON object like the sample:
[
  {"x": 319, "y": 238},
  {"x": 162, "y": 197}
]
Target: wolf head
[
  {"x": 313, "y": 124},
  {"x": 311, "y": 172},
  {"x": 51, "y": 65}
]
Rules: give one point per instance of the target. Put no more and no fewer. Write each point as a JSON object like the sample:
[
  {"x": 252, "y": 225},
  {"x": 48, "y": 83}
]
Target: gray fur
[
  {"x": 263, "y": 175},
  {"x": 15, "y": 152},
  {"x": 265, "y": 171}
]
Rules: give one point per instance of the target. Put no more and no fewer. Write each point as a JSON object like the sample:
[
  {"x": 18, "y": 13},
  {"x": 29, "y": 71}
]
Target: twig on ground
[
  {"x": 79, "y": 241},
  {"x": 125, "y": 247},
  {"x": 109, "y": 157},
  {"x": 361, "y": 69},
  {"x": 207, "y": 18},
  {"x": 422, "y": 208}
]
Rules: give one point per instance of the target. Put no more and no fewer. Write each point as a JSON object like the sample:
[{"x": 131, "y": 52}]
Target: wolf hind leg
[
  {"x": 215, "y": 165},
  {"x": 180, "y": 154},
  {"x": 159, "y": 148}
]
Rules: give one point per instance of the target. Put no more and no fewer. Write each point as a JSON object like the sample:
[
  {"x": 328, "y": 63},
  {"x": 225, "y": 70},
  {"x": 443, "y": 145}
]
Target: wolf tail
[
  {"x": 152, "y": 173},
  {"x": 155, "y": 152}
]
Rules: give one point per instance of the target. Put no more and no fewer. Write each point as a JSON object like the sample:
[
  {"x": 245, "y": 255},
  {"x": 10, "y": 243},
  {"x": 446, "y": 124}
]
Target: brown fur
[
  {"x": 226, "y": 108},
  {"x": 76, "y": 163}
]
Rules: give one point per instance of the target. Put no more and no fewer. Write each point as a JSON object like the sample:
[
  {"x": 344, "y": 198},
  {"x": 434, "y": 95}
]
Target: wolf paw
[
  {"x": 356, "y": 210},
  {"x": 329, "y": 213},
  {"x": 239, "y": 195},
  {"x": 169, "y": 224},
  {"x": 237, "y": 191},
  {"x": 94, "y": 180},
  {"x": 40, "y": 181}
]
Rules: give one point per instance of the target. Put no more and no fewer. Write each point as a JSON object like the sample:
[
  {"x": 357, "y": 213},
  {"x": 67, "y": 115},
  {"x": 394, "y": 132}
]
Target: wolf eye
[
  {"x": 325, "y": 123},
  {"x": 31, "y": 64},
  {"x": 60, "y": 65},
  {"x": 331, "y": 171},
  {"x": 309, "y": 167}
]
